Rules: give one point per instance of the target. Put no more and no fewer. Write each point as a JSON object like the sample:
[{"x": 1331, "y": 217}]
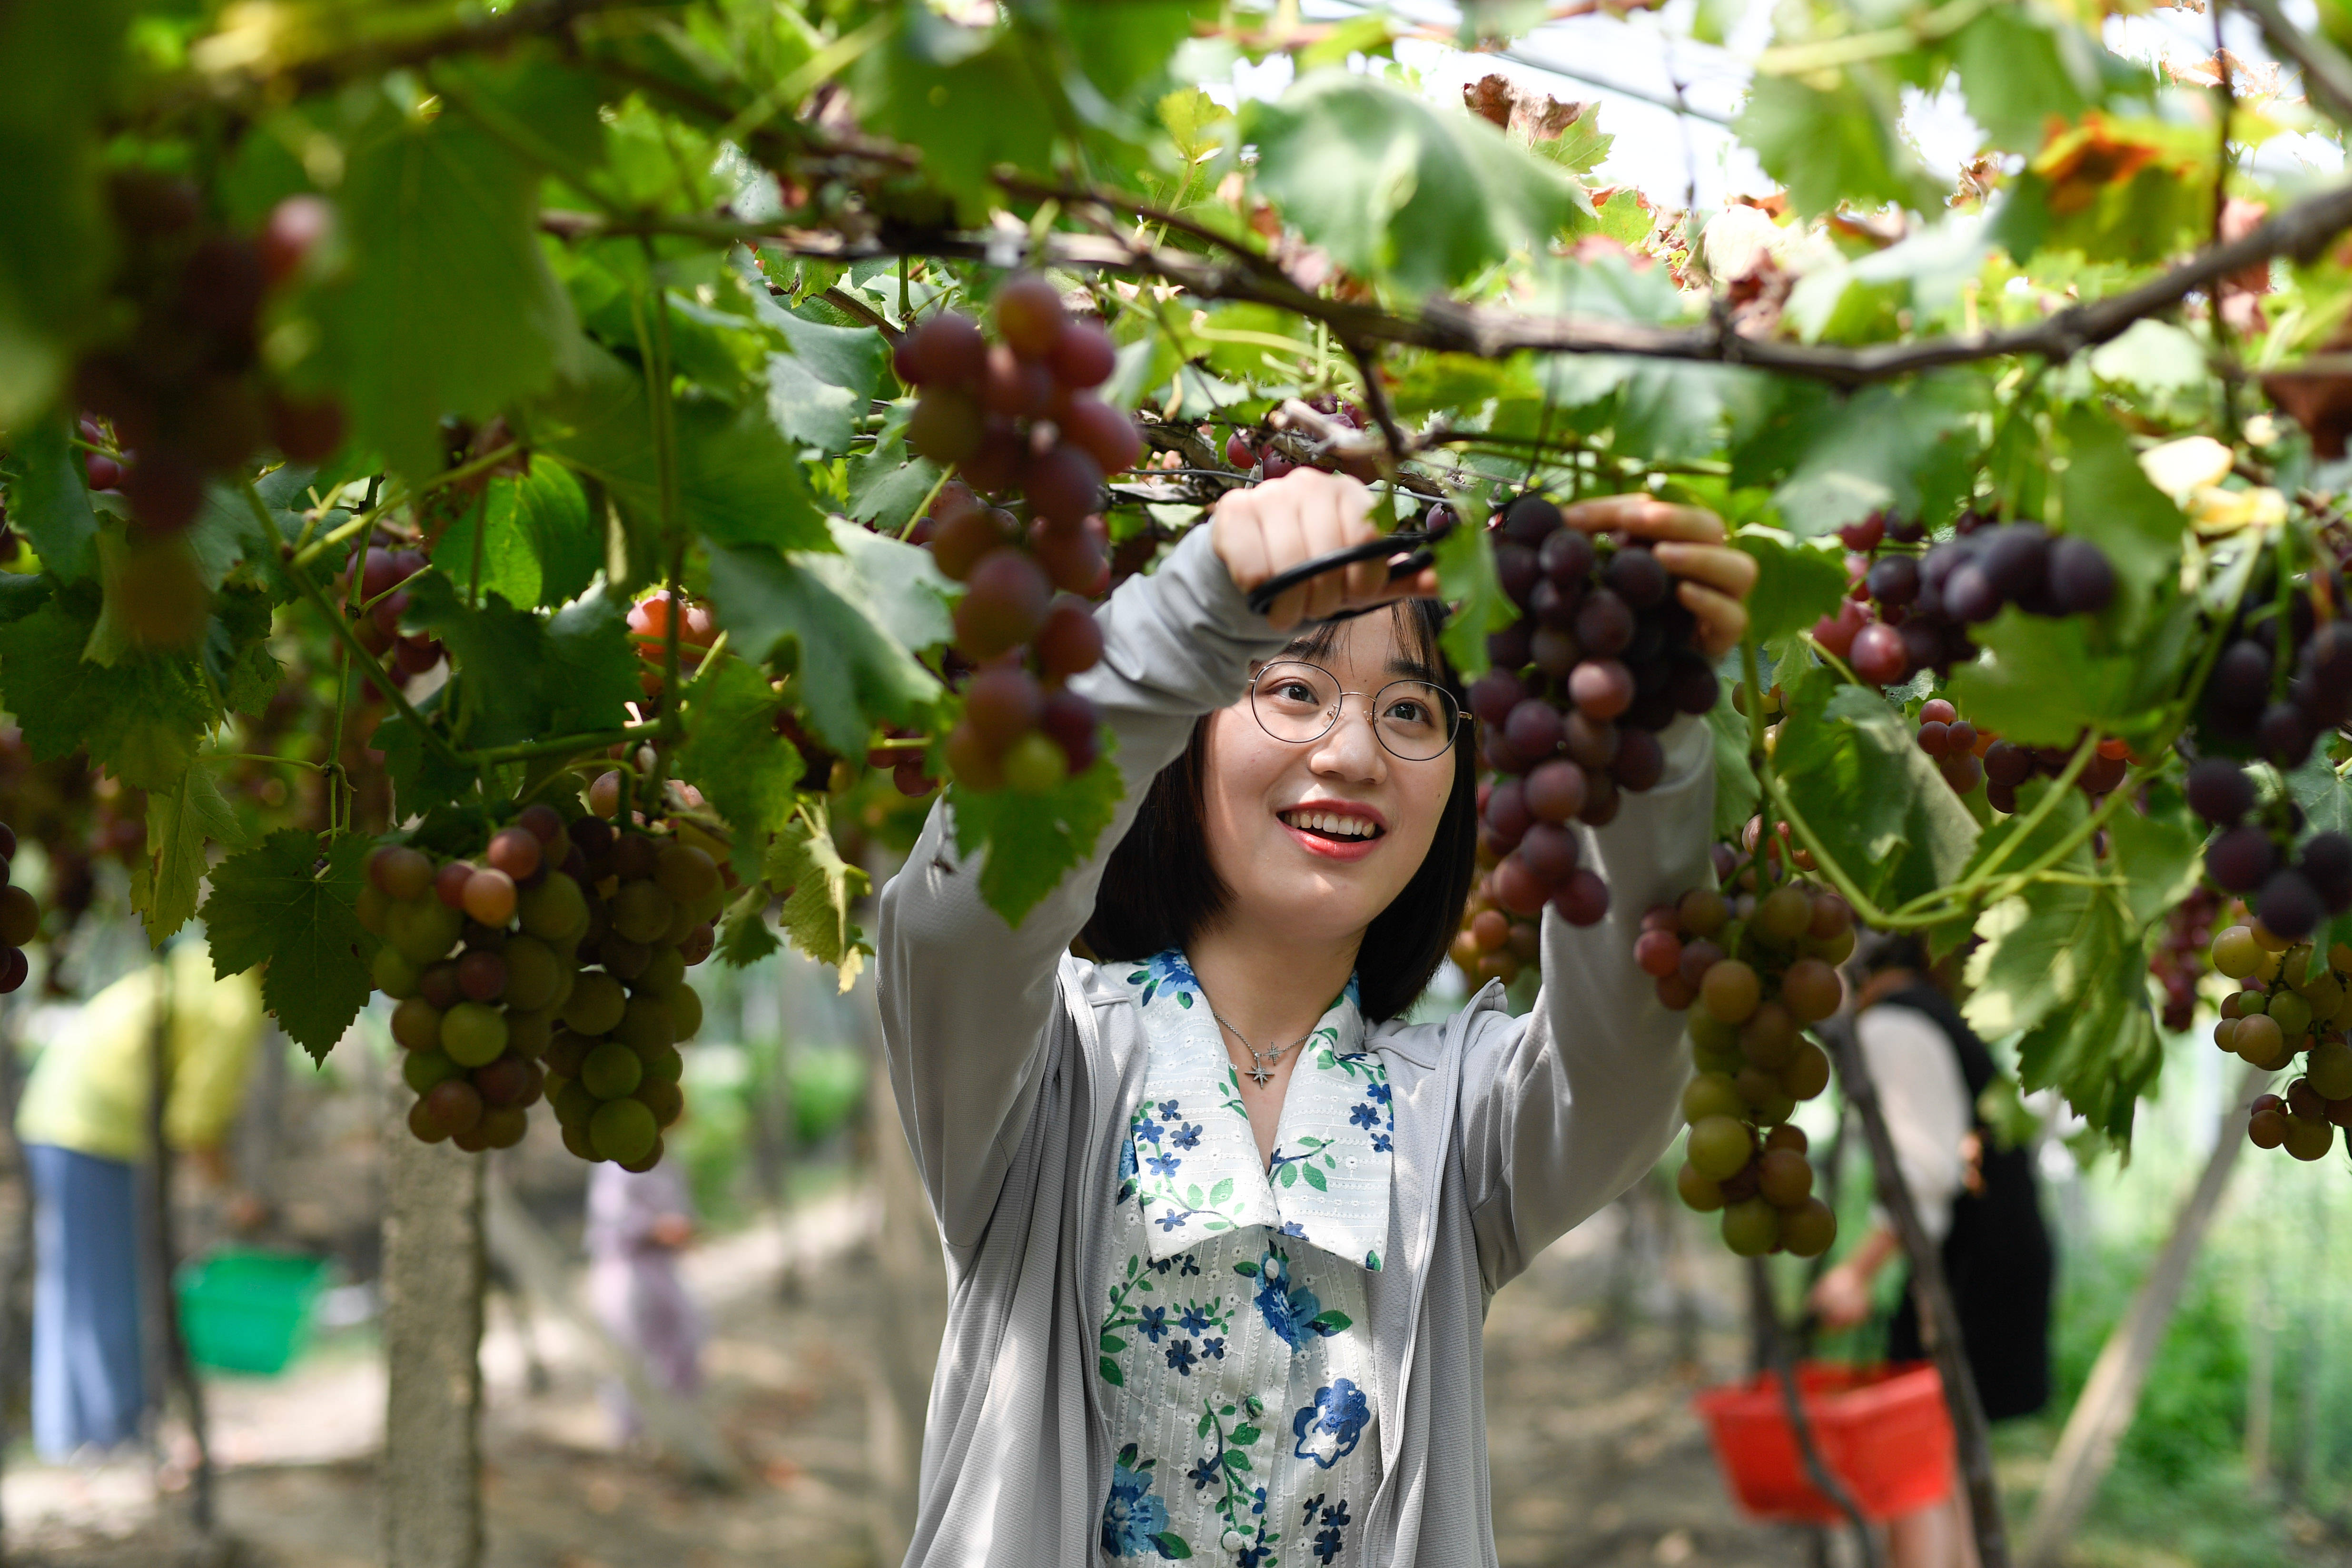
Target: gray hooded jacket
[{"x": 1016, "y": 1068}]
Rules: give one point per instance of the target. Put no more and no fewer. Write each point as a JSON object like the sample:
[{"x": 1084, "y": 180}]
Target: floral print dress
[{"x": 1235, "y": 1359}]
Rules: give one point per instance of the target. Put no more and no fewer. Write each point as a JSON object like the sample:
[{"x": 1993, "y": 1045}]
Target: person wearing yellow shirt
[{"x": 83, "y": 1125}]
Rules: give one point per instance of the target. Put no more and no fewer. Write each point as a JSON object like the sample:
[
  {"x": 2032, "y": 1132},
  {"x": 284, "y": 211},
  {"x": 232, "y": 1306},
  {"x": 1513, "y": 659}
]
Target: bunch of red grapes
[
  {"x": 1762, "y": 970},
  {"x": 1018, "y": 413},
  {"x": 183, "y": 391},
  {"x": 1925, "y": 602},
  {"x": 1494, "y": 943},
  {"x": 2292, "y": 889},
  {"x": 1255, "y": 453},
  {"x": 2286, "y": 1010},
  {"x": 2178, "y": 961},
  {"x": 1601, "y": 660},
  {"x": 2007, "y": 766},
  {"x": 536, "y": 972}
]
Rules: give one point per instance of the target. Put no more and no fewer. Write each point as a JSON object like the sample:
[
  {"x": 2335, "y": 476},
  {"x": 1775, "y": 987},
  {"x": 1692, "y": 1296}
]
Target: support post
[
  {"x": 1773, "y": 1345},
  {"x": 2103, "y": 1412},
  {"x": 1940, "y": 1321},
  {"x": 433, "y": 1279},
  {"x": 178, "y": 1365}
]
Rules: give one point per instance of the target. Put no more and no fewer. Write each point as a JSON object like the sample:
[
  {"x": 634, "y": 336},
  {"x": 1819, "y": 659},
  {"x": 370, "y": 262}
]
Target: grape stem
[
  {"x": 365, "y": 661},
  {"x": 567, "y": 743}
]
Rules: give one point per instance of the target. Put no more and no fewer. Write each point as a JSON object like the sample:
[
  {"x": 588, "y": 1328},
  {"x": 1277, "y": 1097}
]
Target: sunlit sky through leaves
[{"x": 1647, "y": 57}]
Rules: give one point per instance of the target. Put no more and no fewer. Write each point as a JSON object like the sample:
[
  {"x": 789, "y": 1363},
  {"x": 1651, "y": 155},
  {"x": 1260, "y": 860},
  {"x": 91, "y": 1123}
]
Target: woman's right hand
[{"x": 1268, "y": 529}]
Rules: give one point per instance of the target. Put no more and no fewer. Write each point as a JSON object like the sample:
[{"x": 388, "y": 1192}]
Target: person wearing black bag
[{"x": 1980, "y": 1197}]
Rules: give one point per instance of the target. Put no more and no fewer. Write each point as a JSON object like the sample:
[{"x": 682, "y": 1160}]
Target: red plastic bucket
[{"x": 1883, "y": 1432}]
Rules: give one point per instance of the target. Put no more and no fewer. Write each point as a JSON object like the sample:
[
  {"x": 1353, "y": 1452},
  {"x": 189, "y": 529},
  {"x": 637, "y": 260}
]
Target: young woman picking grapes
[{"x": 1221, "y": 1228}]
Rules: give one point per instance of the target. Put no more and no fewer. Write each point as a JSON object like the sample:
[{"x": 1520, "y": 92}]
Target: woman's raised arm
[{"x": 966, "y": 998}]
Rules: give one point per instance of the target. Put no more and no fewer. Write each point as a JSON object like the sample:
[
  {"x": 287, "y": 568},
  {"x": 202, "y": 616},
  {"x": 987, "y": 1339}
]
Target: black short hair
[{"x": 1159, "y": 889}]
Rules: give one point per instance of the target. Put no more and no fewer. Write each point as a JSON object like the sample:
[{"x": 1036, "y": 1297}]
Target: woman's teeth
[{"x": 1332, "y": 825}]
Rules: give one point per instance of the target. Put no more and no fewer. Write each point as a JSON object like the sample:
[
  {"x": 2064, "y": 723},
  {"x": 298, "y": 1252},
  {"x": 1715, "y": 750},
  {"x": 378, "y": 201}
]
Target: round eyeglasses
[{"x": 1298, "y": 702}]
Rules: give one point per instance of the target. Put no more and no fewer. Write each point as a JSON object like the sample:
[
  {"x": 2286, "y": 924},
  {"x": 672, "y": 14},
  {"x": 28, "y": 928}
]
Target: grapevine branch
[
  {"x": 2326, "y": 74},
  {"x": 1453, "y": 326},
  {"x": 365, "y": 661}
]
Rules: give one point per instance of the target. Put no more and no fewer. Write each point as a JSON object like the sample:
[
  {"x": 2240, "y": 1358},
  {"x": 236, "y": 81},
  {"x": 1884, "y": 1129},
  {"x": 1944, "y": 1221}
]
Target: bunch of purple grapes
[
  {"x": 2272, "y": 699},
  {"x": 1601, "y": 660},
  {"x": 2180, "y": 961},
  {"x": 1928, "y": 601},
  {"x": 2290, "y": 890}
]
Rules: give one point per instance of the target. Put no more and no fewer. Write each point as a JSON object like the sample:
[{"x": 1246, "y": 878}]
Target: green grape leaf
[
  {"x": 447, "y": 305},
  {"x": 2040, "y": 680},
  {"x": 1836, "y": 147},
  {"x": 818, "y": 887},
  {"x": 1853, "y": 770},
  {"x": 2017, "y": 69},
  {"x": 1908, "y": 449},
  {"x": 739, "y": 481},
  {"x": 733, "y": 754},
  {"x": 422, "y": 778},
  {"x": 140, "y": 718},
  {"x": 744, "y": 937},
  {"x": 1798, "y": 581},
  {"x": 1737, "y": 793},
  {"x": 2063, "y": 965},
  {"x": 1465, "y": 577},
  {"x": 2106, "y": 497},
  {"x": 276, "y": 905},
  {"x": 179, "y": 820},
  {"x": 887, "y": 483},
  {"x": 818, "y": 392},
  {"x": 496, "y": 649},
  {"x": 48, "y": 499},
  {"x": 838, "y": 618},
  {"x": 1397, "y": 188},
  {"x": 968, "y": 98},
  {"x": 57, "y": 66},
  {"x": 236, "y": 650},
  {"x": 539, "y": 547},
  {"x": 591, "y": 667},
  {"x": 2158, "y": 851},
  {"x": 1034, "y": 840}
]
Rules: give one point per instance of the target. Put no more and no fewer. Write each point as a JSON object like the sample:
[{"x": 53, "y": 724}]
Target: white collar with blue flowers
[{"x": 1192, "y": 1160}]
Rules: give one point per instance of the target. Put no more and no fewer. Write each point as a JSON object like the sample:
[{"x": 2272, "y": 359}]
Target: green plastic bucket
[{"x": 245, "y": 1311}]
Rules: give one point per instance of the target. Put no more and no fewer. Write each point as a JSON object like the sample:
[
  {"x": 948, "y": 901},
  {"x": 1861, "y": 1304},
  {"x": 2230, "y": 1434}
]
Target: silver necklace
[{"x": 1262, "y": 1062}]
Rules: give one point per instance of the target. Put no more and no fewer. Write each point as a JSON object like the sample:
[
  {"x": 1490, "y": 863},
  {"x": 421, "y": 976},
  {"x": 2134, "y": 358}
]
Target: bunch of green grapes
[
  {"x": 1761, "y": 969},
  {"x": 2288, "y": 1010},
  {"x": 613, "y": 1068}
]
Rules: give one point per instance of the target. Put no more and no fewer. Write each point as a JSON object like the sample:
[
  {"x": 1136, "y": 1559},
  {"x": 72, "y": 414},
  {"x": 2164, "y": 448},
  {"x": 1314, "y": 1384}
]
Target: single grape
[
  {"x": 1768, "y": 1039},
  {"x": 2309, "y": 1139},
  {"x": 1702, "y": 912},
  {"x": 1731, "y": 991},
  {"x": 1712, "y": 1094},
  {"x": 2288, "y": 903},
  {"x": 473, "y": 1034},
  {"x": 517, "y": 852},
  {"x": 2081, "y": 579},
  {"x": 489, "y": 896},
  {"x": 1658, "y": 953},
  {"x": 455, "y": 1104},
  {"x": 1810, "y": 990},
  {"x": 421, "y": 1070},
  {"x": 416, "y": 1025},
  {"x": 1698, "y": 1192},
  {"x": 1720, "y": 1146},
  {"x": 482, "y": 975},
  {"x": 1784, "y": 1178},
  {"x": 2266, "y": 1128},
  {"x": 1641, "y": 760},
  {"x": 1878, "y": 655},
  {"x": 400, "y": 872},
  {"x": 611, "y": 1071},
  {"x": 2218, "y": 790},
  {"x": 623, "y": 1131},
  {"x": 1751, "y": 1227},
  {"x": 1005, "y": 602},
  {"x": 1808, "y": 1072},
  {"x": 1895, "y": 578},
  {"x": 2241, "y": 859},
  {"x": 596, "y": 1004},
  {"x": 1810, "y": 1229},
  {"x": 1582, "y": 899}
]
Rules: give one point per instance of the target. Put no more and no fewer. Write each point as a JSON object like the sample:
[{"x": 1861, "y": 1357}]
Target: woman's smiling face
[{"x": 1314, "y": 838}]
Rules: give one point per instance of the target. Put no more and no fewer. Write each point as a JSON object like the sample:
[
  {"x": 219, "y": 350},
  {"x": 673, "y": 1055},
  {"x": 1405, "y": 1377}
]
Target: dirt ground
[{"x": 1597, "y": 1458}]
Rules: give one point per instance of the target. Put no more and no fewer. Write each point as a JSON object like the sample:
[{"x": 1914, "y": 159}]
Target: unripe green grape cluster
[
  {"x": 1761, "y": 971},
  {"x": 512, "y": 974},
  {"x": 2286, "y": 1011}
]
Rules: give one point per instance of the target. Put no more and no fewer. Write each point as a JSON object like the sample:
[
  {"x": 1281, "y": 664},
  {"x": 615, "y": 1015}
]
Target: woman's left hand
[{"x": 1716, "y": 578}]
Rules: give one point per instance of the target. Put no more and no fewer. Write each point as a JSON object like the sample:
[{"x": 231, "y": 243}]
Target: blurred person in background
[
  {"x": 639, "y": 1223},
  {"x": 1976, "y": 1198},
  {"x": 83, "y": 1125}
]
